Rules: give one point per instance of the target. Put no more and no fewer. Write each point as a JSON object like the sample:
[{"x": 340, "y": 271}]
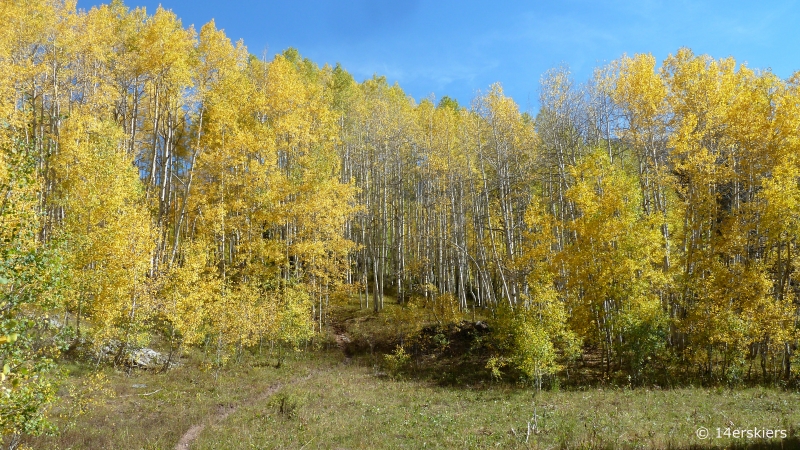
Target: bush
[{"x": 397, "y": 361}]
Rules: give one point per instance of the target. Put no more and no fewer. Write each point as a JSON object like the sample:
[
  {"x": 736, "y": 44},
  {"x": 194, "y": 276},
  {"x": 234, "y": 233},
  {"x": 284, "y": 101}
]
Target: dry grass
[{"x": 152, "y": 411}]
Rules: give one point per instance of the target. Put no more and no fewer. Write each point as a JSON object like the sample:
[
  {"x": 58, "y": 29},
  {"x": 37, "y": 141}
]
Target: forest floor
[{"x": 340, "y": 396}]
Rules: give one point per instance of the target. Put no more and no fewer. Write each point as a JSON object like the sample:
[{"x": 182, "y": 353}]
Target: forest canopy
[{"x": 157, "y": 180}]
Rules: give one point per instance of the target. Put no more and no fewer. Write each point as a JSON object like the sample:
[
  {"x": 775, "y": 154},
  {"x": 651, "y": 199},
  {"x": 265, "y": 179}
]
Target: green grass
[
  {"x": 350, "y": 407},
  {"x": 343, "y": 400},
  {"x": 327, "y": 401}
]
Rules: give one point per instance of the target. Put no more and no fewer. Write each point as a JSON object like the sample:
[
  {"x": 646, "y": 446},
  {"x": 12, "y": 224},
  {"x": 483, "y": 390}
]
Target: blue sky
[{"x": 458, "y": 48}]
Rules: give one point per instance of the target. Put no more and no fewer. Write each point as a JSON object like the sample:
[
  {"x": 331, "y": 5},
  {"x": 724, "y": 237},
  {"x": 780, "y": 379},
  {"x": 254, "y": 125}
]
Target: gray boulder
[{"x": 146, "y": 358}]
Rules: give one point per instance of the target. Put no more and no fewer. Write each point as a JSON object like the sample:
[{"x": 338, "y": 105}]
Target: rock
[
  {"x": 109, "y": 350},
  {"x": 146, "y": 358},
  {"x": 143, "y": 358}
]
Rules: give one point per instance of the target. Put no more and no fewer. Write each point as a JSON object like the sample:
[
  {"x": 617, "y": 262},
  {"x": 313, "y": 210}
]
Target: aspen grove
[{"x": 157, "y": 180}]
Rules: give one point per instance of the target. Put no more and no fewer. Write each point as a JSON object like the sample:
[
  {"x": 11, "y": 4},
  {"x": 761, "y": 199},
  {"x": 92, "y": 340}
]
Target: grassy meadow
[{"x": 343, "y": 393}]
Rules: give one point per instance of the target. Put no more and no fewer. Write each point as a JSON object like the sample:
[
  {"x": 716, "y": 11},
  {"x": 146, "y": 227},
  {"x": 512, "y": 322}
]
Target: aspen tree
[
  {"x": 106, "y": 232},
  {"x": 609, "y": 265}
]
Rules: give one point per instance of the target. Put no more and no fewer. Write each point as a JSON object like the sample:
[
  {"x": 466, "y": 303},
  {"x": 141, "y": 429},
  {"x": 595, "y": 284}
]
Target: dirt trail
[{"x": 224, "y": 411}]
